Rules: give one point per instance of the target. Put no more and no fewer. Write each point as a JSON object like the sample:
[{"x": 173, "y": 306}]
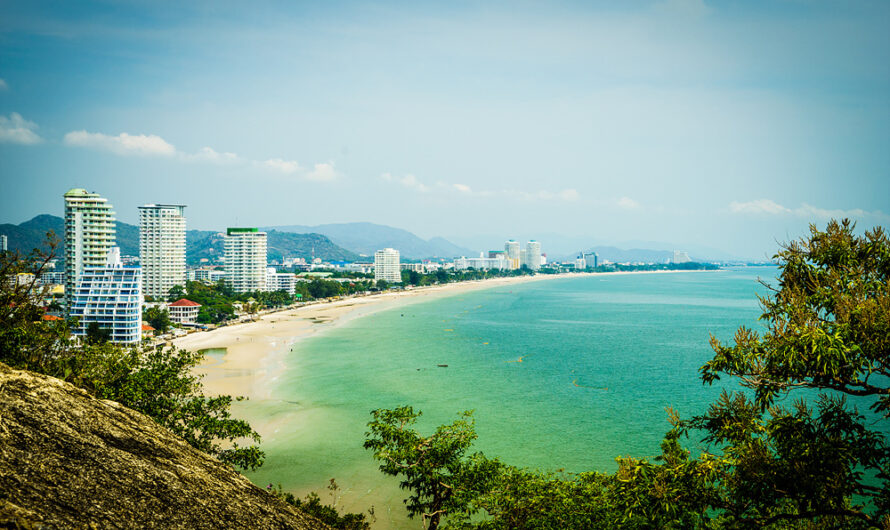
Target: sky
[{"x": 728, "y": 125}]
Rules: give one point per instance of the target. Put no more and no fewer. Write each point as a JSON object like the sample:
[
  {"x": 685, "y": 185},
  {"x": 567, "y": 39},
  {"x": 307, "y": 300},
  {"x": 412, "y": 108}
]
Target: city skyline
[{"x": 698, "y": 124}]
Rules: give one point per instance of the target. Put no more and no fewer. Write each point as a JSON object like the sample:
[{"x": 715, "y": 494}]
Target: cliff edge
[{"x": 69, "y": 460}]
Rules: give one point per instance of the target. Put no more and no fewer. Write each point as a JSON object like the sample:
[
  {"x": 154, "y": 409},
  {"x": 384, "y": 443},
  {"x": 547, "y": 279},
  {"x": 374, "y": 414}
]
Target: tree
[
  {"x": 382, "y": 285},
  {"x": 96, "y": 334},
  {"x": 157, "y": 318},
  {"x": 175, "y": 293},
  {"x": 430, "y": 467}
]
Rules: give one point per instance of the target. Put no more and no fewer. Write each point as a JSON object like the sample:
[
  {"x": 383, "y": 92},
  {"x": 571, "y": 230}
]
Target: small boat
[{"x": 442, "y": 365}]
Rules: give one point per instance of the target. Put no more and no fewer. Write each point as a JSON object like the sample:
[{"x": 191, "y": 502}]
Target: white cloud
[
  {"x": 627, "y": 203},
  {"x": 409, "y": 181},
  {"x": 758, "y": 206},
  {"x": 18, "y": 130},
  {"x": 123, "y": 144},
  {"x": 284, "y": 166},
  {"x": 207, "y": 154},
  {"x": 3, "y": 85},
  {"x": 322, "y": 172},
  {"x": 807, "y": 211}
]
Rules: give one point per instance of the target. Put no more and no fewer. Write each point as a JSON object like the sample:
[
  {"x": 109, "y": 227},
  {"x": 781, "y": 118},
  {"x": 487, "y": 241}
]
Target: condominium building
[
  {"x": 481, "y": 263},
  {"x": 89, "y": 235},
  {"x": 4, "y": 243},
  {"x": 592, "y": 259},
  {"x": 245, "y": 255},
  {"x": 386, "y": 265},
  {"x": 532, "y": 255},
  {"x": 281, "y": 281},
  {"x": 680, "y": 257},
  {"x": 111, "y": 296},
  {"x": 511, "y": 249},
  {"x": 161, "y": 247}
]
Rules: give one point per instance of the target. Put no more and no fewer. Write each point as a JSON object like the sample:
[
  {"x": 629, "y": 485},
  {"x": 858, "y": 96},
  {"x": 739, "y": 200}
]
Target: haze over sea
[{"x": 602, "y": 357}]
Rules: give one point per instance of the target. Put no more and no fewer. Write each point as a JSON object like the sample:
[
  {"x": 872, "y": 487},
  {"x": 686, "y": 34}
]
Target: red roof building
[{"x": 183, "y": 311}]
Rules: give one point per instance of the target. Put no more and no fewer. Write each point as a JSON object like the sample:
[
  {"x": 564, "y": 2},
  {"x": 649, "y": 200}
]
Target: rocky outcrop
[{"x": 68, "y": 460}]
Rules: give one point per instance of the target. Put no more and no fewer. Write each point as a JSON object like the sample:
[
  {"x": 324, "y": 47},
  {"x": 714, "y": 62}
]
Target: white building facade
[
  {"x": 89, "y": 235},
  {"x": 281, "y": 281},
  {"x": 245, "y": 259},
  {"x": 161, "y": 247},
  {"x": 110, "y": 296},
  {"x": 501, "y": 263},
  {"x": 511, "y": 249},
  {"x": 184, "y": 311},
  {"x": 532, "y": 256},
  {"x": 386, "y": 265}
]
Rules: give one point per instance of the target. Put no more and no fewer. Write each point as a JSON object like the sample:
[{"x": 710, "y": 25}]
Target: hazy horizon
[{"x": 727, "y": 125}]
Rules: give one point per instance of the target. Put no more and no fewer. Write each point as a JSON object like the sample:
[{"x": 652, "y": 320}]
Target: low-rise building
[
  {"x": 280, "y": 281},
  {"x": 184, "y": 311}
]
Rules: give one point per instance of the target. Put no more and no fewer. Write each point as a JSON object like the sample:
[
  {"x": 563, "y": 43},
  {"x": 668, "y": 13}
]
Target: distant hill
[
  {"x": 199, "y": 243},
  {"x": 367, "y": 238},
  {"x": 280, "y": 245}
]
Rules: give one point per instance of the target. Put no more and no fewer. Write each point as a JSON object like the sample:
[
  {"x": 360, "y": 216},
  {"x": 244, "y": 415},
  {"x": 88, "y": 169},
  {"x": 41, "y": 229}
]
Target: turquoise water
[{"x": 602, "y": 357}]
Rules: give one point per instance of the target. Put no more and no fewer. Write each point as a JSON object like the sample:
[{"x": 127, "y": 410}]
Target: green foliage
[
  {"x": 96, "y": 334},
  {"x": 326, "y": 513},
  {"x": 157, "y": 318},
  {"x": 429, "y": 467}
]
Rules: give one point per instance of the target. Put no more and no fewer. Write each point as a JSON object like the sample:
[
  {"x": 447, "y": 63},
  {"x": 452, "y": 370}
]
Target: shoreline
[{"x": 256, "y": 351}]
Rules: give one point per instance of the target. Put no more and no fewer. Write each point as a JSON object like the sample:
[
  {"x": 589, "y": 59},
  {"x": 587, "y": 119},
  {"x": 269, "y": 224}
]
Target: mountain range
[
  {"x": 353, "y": 242},
  {"x": 199, "y": 243},
  {"x": 367, "y": 238}
]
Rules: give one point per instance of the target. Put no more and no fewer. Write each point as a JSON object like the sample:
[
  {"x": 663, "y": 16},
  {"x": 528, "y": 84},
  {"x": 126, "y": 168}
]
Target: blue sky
[{"x": 729, "y": 125}]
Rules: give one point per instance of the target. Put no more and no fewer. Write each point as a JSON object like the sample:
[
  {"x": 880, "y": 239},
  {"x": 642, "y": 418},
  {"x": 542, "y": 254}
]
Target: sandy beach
[{"x": 255, "y": 352}]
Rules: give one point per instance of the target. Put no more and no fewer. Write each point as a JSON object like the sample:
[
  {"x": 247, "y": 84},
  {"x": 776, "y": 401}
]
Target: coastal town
[{"x": 126, "y": 299}]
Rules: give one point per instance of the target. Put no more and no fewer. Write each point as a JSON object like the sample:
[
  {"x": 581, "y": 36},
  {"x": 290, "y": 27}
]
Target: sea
[{"x": 563, "y": 374}]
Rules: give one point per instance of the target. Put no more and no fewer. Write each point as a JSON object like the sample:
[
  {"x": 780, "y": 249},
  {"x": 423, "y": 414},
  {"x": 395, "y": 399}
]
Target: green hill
[{"x": 199, "y": 243}]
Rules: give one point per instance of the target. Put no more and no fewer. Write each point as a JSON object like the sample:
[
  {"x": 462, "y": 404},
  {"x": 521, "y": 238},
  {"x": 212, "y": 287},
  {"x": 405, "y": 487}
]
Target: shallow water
[{"x": 601, "y": 359}]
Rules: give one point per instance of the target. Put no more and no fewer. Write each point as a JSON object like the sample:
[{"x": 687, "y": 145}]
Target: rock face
[{"x": 68, "y": 460}]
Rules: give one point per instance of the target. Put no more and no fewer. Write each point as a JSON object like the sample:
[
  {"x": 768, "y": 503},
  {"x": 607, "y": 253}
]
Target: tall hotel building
[
  {"x": 532, "y": 255},
  {"x": 161, "y": 247},
  {"x": 110, "y": 296},
  {"x": 245, "y": 259},
  {"x": 89, "y": 235},
  {"x": 511, "y": 249},
  {"x": 386, "y": 265}
]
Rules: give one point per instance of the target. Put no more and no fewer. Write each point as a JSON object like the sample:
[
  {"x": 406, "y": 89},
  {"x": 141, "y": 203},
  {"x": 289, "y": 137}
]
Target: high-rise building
[
  {"x": 386, "y": 265},
  {"x": 110, "y": 296},
  {"x": 161, "y": 247},
  {"x": 592, "y": 259},
  {"x": 532, "y": 255},
  {"x": 511, "y": 249},
  {"x": 89, "y": 235},
  {"x": 3, "y": 243},
  {"x": 245, "y": 255},
  {"x": 680, "y": 257},
  {"x": 580, "y": 262}
]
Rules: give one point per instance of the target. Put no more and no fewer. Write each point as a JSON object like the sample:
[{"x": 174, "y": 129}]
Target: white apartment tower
[
  {"x": 511, "y": 249},
  {"x": 245, "y": 255},
  {"x": 110, "y": 296},
  {"x": 532, "y": 256},
  {"x": 161, "y": 247},
  {"x": 386, "y": 265},
  {"x": 89, "y": 235}
]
